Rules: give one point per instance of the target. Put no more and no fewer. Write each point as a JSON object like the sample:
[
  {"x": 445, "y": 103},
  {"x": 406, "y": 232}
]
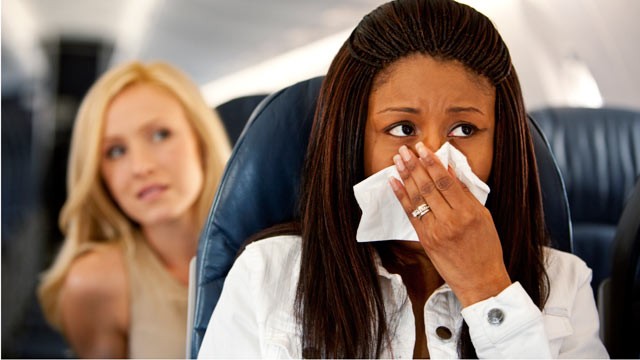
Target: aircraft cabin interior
[{"x": 260, "y": 66}]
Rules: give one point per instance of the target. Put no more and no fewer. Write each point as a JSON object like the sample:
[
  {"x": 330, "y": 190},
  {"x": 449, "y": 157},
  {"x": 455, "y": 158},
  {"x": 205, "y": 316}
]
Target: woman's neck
[
  {"x": 409, "y": 260},
  {"x": 175, "y": 243}
]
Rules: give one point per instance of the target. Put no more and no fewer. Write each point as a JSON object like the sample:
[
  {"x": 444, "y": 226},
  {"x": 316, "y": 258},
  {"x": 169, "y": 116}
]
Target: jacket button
[
  {"x": 495, "y": 316},
  {"x": 443, "y": 332}
]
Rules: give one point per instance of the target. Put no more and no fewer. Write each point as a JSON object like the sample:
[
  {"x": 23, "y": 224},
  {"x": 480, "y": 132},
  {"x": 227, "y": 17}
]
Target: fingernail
[
  {"x": 422, "y": 150},
  {"x": 399, "y": 163},
  {"x": 404, "y": 151}
]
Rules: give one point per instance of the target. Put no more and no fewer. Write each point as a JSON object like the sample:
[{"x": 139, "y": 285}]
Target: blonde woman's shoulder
[
  {"x": 94, "y": 303},
  {"x": 97, "y": 271}
]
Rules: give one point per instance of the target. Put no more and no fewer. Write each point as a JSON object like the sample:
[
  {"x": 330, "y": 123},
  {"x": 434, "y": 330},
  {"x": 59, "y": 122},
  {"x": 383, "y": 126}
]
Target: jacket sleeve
[
  {"x": 508, "y": 325},
  {"x": 233, "y": 330}
]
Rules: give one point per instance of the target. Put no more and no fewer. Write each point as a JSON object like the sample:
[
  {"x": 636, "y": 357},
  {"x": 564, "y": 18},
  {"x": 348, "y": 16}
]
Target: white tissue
[{"x": 383, "y": 217}]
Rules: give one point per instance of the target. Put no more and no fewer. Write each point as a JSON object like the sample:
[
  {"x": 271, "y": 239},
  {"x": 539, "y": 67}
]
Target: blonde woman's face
[{"x": 151, "y": 161}]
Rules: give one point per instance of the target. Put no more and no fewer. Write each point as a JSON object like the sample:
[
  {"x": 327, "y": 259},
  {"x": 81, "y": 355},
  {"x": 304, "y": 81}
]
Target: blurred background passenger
[{"x": 146, "y": 157}]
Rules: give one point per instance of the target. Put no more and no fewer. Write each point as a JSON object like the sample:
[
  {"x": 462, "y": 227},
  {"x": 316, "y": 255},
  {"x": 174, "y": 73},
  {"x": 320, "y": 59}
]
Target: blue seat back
[
  {"x": 236, "y": 112},
  {"x": 620, "y": 294},
  {"x": 598, "y": 153}
]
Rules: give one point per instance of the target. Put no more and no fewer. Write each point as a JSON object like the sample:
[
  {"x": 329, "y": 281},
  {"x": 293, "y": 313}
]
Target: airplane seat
[
  {"x": 236, "y": 112},
  {"x": 598, "y": 152},
  {"x": 269, "y": 151},
  {"x": 260, "y": 184},
  {"x": 25, "y": 248},
  {"x": 619, "y": 303}
]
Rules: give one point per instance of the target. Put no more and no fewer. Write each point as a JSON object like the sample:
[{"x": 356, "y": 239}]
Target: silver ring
[{"x": 420, "y": 211}]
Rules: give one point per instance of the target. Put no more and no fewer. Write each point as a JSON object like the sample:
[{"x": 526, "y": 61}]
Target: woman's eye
[
  {"x": 160, "y": 135},
  {"x": 115, "y": 152},
  {"x": 463, "y": 130},
  {"x": 402, "y": 130}
]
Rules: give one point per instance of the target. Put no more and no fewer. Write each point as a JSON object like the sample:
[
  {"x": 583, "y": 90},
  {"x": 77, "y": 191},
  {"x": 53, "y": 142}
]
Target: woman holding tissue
[{"x": 423, "y": 102}]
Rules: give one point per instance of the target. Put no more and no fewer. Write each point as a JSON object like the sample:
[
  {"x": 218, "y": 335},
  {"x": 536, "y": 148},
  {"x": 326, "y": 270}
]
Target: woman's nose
[
  {"x": 142, "y": 162},
  {"x": 431, "y": 142}
]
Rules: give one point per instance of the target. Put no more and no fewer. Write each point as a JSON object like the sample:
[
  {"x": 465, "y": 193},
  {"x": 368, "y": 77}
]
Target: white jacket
[{"x": 254, "y": 317}]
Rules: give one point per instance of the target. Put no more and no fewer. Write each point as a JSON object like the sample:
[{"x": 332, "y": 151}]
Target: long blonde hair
[{"x": 89, "y": 215}]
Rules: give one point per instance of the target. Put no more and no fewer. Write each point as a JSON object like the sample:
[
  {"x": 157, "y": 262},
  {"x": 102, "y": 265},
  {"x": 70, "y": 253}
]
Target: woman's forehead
[{"x": 384, "y": 74}]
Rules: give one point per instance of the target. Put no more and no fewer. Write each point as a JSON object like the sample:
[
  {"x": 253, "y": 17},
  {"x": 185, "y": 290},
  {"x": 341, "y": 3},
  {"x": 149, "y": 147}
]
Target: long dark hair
[{"x": 339, "y": 302}]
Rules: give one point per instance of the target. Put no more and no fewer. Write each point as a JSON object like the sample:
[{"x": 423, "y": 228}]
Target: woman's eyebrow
[
  {"x": 461, "y": 109},
  {"x": 409, "y": 110},
  {"x": 109, "y": 138}
]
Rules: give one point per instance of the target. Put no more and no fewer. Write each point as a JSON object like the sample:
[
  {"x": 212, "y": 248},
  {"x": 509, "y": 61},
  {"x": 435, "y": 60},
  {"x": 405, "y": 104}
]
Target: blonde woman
[{"x": 146, "y": 157}]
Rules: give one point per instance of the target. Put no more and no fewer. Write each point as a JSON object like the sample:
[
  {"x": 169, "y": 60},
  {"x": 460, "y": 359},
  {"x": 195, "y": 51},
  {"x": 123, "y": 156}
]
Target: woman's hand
[{"x": 457, "y": 233}]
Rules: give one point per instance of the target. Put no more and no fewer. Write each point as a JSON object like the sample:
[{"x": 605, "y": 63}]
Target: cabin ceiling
[{"x": 553, "y": 43}]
